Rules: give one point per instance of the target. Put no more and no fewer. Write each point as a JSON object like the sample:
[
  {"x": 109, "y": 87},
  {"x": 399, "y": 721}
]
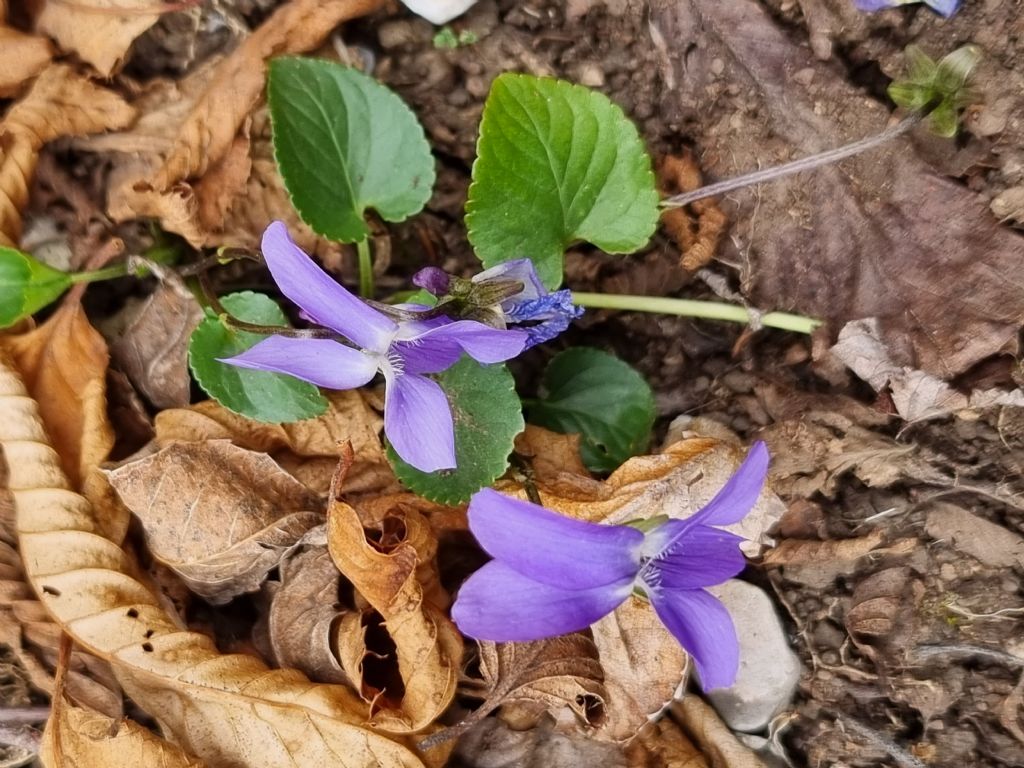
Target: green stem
[
  {"x": 365, "y": 268},
  {"x": 107, "y": 273},
  {"x": 710, "y": 310}
]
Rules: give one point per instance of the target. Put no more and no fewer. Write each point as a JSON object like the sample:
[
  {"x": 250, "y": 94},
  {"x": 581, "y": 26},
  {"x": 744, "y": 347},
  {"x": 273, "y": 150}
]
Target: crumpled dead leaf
[
  {"x": 389, "y": 571},
  {"x": 64, "y": 365},
  {"x": 528, "y": 680},
  {"x": 60, "y": 103},
  {"x": 879, "y": 235},
  {"x": 662, "y": 744},
  {"x": 218, "y": 515},
  {"x": 307, "y": 449},
  {"x": 818, "y": 563},
  {"x": 22, "y": 57},
  {"x": 88, "y": 739},
  {"x": 304, "y": 608},
  {"x": 917, "y": 396},
  {"x": 152, "y": 349},
  {"x": 225, "y": 709}
]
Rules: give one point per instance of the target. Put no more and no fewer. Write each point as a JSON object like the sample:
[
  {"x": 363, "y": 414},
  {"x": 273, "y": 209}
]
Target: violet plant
[{"x": 552, "y": 575}]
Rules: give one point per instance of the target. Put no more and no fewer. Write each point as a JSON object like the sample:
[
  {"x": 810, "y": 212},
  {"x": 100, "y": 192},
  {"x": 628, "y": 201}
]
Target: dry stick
[
  {"x": 797, "y": 166},
  {"x": 24, "y": 715}
]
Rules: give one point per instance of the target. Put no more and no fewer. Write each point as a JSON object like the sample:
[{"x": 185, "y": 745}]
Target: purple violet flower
[
  {"x": 552, "y": 574},
  {"x": 541, "y": 315},
  {"x": 944, "y": 7},
  {"x": 417, "y": 416}
]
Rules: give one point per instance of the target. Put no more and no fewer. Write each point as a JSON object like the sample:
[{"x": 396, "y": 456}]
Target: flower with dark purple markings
[
  {"x": 417, "y": 416},
  {"x": 552, "y": 574}
]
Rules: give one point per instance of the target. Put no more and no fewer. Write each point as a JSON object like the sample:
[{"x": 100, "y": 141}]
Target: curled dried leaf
[
  {"x": 386, "y": 569},
  {"x": 225, "y": 709},
  {"x": 64, "y": 364},
  {"x": 698, "y": 238},
  {"x": 60, "y": 103}
]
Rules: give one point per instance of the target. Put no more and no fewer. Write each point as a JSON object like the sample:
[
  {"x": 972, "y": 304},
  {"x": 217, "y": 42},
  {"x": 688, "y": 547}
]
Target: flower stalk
[{"x": 708, "y": 310}]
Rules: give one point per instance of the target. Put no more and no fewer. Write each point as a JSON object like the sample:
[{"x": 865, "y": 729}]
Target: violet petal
[
  {"x": 520, "y": 270},
  {"x": 440, "y": 348},
  {"x": 739, "y": 494},
  {"x": 418, "y": 422},
  {"x": 551, "y": 548},
  {"x": 322, "y": 362},
  {"x": 320, "y": 296},
  {"x": 433, "y": 280},
  {"x": 500, "y": 604},
  {"x": 704, "y": 628},
  {"x": 699, "y": 557}
]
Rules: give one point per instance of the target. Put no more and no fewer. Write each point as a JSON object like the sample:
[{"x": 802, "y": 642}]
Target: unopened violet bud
[{"x": 433, "y": 280}]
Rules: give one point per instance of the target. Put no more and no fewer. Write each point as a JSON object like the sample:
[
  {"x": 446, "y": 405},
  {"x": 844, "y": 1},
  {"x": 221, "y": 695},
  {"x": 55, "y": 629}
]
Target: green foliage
[
  {"x": 345, "y": 143},
  {"x": 603, "y": 399},
  {"x": 259, "y": 395},
  {"x": 487, "y": 418},
  {"x": 557, "y": 163},
  {"x": 938, "y": 87},
  {"x": 447, "y": 39},
  {"x": 27, "y": 285}
]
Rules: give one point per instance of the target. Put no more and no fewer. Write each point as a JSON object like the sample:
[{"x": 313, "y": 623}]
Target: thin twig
[{"x": 797, "y": 166}]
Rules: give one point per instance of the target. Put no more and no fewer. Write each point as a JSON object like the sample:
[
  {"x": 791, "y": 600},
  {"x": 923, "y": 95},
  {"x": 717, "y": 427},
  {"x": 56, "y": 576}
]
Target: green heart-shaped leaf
[
  {"x": 557, "y": 163},
  {"x": 345, "y": 143},
  {"x": 259, "y": 395},
  {"x": 487, "y": 416},
  {"x": 596, "y": 395}
]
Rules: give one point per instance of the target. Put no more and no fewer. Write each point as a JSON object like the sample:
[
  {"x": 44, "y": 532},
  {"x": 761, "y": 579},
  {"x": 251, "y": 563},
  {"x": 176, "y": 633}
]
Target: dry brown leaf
[
  {"x": 64, "y": 365},
  {"x": 308, "y": 449},
  {"x": 644, "y": 667},
  {"x": 95, "y": 30},
  {"x": 22, "y": 57},
  {"x": 225, "y": 709},
  {"x": 721, "y": 748},
  {"x": 60, "y": 103},
  {"x": 697, "y": 240},
  {"x": 388, "y": 573},
  {"x": 304, "y": 608},
  {"x": 530, "y": 679},
  {"x": 88, "y": 739},
  {"x": 823, "y": 243},
  {"x": 152, "y": 349},
  {"x": 916, "y": 395},
  {"x": 818, "y": 563},
  {"x": 218, "y": 515},
  {"x": 812, "y": 452},
  {"x": 33, "y": 638}
]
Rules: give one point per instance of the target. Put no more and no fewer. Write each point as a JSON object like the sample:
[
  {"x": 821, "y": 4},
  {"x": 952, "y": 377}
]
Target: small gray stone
[{"x": 769, "y": 669}]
